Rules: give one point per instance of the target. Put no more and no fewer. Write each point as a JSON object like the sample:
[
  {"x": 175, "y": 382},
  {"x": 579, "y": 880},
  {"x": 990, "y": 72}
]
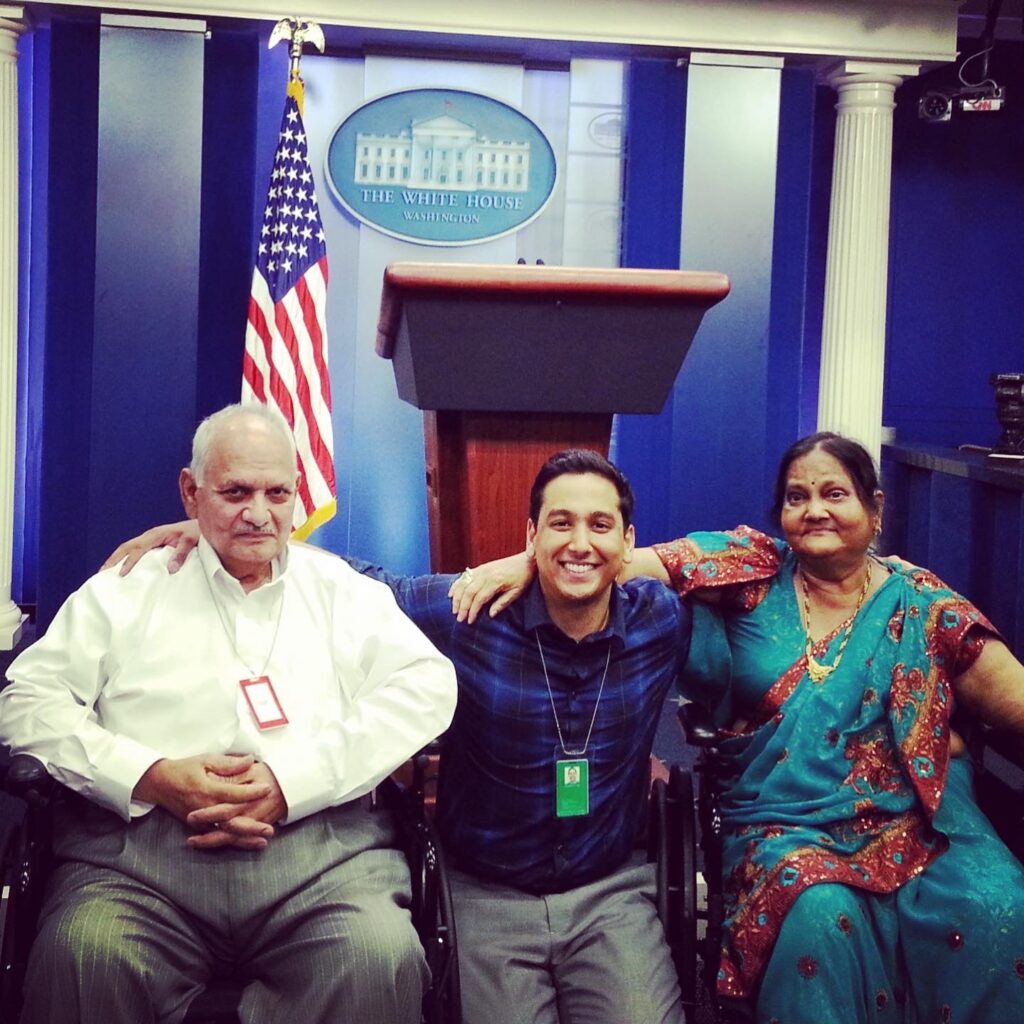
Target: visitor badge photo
[{"x": 572, "y": 788}]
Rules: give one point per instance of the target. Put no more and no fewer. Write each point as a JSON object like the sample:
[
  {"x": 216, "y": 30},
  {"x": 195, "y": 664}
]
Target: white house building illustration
[{"x": 442, "y": 152}]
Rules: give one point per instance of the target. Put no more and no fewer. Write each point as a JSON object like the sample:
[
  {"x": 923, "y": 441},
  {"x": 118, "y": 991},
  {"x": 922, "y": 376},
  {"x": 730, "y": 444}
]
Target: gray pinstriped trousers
[{"x": 135, "y": 921}]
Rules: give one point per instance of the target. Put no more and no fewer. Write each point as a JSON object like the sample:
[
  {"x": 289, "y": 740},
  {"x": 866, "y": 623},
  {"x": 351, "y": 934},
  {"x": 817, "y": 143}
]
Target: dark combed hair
[
  {"x": 578, "y": 461},
  {"x": 853, "y": 456}
]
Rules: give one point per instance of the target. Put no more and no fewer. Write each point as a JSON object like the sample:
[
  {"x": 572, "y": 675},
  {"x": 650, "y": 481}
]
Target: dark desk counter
[
  {"x": 971, "y": 465},
  {"x": 962, "y": 516}
]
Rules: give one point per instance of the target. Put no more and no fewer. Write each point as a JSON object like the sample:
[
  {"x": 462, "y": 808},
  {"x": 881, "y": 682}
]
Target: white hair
[{"x": 207, "y": 431}]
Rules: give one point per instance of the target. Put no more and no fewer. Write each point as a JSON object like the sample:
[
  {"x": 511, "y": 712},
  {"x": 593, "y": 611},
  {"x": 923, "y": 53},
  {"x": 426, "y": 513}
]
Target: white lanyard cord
[{"x": 230, "y": 636}]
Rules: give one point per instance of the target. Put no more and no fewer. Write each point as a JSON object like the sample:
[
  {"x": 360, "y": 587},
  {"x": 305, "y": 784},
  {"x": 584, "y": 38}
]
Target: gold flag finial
[{"x": 297, "y": 31}]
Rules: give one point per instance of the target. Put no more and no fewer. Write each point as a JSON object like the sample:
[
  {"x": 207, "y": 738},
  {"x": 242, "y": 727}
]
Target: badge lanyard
[
  {"x": 257, "y": 689},
  {"x": 572, "y": 774}
]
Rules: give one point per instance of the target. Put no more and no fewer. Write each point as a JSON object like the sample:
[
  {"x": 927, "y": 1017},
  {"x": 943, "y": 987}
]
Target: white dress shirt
[{"x": 137, "y": 668}]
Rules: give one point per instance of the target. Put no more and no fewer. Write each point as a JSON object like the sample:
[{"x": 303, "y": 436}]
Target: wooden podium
[{"x": 513, "y": 363}]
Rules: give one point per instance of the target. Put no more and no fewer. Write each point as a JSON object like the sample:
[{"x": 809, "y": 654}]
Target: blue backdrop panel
[
  {"x": 652, "y": 210},
  {"x": 720, "y": 470},
  {"x": 798, "y": 260},
  {"x": 750, "y": 386},
  {"x": 229, "y": 197},
  {"x": 33, "y": 150},
  {"x": 143, "y": 375},
  {"x": 69, "y": 193},
  {"x": 823, "y": 146}
]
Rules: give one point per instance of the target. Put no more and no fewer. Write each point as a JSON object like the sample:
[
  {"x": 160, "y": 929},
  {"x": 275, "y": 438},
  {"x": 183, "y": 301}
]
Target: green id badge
[{"x": 572, "y": 788}]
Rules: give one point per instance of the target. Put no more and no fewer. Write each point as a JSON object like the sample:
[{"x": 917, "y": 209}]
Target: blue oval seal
[{"x": 441, "y": 166}]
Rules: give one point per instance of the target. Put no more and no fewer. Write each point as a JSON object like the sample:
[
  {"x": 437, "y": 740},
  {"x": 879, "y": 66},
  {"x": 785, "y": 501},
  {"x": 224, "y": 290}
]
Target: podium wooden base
[{"x": 480, "y": 466}]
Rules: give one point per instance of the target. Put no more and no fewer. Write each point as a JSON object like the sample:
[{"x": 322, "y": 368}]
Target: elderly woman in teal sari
[{"x": 864, "y": 884}]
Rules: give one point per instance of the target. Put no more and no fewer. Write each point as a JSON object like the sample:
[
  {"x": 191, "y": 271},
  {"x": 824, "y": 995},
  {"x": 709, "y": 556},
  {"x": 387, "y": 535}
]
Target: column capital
[
  {"x": 12, "y": 24},
  {"x": 12, "y": 18},
  {"x": 844, "y": 73}
]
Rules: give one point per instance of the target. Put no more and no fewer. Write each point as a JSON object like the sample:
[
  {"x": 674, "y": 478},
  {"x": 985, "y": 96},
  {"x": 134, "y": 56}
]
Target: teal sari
[{"x": 852, "y": 847}]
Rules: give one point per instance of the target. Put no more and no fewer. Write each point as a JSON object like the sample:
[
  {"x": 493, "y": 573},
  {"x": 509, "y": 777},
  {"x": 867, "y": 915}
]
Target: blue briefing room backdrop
[{"x": 147, "y": 154}]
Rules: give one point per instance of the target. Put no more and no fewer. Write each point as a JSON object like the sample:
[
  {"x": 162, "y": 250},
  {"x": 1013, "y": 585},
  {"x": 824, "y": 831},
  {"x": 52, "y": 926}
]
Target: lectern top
[{"x": 673, "y": 287}]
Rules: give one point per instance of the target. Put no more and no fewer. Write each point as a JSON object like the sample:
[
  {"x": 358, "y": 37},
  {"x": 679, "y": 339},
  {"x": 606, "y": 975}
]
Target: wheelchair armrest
[
  {"x": 422, "y": 849},
  {"x": 999, "y": 782},
  {"x": 433, "y": 914},
  {"x": 26, "y": 864},
  {"x": 433, "y": 748},
  {"x": 28, "y": 779},
  {"x": 698, "y": 728},
  {"x": 1007, "y": 745}
]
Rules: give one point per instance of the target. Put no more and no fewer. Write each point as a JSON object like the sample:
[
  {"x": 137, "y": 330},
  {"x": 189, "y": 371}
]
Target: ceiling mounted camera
[
  {"x": 980, "y": 95},
  {"x": 935, "y": 106}
]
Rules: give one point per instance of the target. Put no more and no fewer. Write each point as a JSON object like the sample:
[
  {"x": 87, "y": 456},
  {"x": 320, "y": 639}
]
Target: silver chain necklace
[
  {"x": 551, "y": 697},
  {"x": 230, "y": 635}
]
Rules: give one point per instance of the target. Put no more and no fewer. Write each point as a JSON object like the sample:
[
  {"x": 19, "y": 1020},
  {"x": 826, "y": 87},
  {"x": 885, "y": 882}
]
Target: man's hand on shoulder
[
  {"x": 183, "y": 537},
  {"x": 234, "y": 785},
  {"x": 502, "y": 580}
]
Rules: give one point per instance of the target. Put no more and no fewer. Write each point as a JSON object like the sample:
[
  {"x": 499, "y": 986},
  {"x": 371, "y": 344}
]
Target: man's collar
[
  {"x": 212, "y": 565},
  {"x": 535, "y": 612}
]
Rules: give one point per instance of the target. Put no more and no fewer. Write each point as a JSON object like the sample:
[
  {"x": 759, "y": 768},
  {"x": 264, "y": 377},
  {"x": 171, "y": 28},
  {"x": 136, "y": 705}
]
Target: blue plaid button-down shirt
[{"x": 496, "y": 801}]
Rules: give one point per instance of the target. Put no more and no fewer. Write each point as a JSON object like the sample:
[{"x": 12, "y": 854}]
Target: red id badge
[{"x": 266, "y": 709}]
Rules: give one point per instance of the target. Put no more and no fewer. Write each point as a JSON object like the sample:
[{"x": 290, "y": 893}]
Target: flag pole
[{"x": 285, "y": 363}]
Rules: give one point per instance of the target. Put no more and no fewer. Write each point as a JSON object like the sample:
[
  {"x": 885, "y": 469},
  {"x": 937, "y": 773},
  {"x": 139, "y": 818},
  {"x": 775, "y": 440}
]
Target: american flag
[{"x": 285, "y": 362}]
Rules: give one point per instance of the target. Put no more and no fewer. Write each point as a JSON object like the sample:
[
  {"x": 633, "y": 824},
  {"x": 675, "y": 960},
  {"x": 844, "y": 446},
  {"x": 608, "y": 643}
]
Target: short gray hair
[{"x": 207, "y": 432}]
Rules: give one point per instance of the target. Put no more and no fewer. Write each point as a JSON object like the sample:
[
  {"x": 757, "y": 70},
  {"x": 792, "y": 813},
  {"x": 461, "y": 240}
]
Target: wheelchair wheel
[
  {"x": 657, "y": 850},
  {"x": 683, "y": 883},
  {"x": 26, "y": 865}
]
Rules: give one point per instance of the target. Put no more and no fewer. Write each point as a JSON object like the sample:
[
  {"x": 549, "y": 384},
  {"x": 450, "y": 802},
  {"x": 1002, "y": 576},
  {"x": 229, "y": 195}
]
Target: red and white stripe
[{"x": 285, "y": 365}]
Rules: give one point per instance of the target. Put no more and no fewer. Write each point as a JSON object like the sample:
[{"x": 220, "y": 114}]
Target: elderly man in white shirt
[{"x": 223, "y": 724}]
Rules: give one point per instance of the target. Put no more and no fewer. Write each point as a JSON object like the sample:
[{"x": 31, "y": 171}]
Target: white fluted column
[
  {"x": 853, "y": 329},
  {"x": 11, "y": 618}
]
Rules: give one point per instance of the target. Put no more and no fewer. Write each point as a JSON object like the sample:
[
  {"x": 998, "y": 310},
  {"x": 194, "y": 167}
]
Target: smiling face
[
  {"x": 247, "y": 497},
  {"x": 579, "y": 543},
  {"x": 823, "y": 517}
]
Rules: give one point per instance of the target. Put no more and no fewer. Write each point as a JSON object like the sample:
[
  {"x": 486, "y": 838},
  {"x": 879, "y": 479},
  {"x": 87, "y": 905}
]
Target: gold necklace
[{"x": 818, "y": 672}]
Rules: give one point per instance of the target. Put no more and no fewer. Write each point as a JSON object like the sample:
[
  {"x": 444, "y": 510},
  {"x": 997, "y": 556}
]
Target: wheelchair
[
  {"x": 999, "y": 785},
  {"x": 27, "y": 863},
  {"x": 666, "y": 835}
]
